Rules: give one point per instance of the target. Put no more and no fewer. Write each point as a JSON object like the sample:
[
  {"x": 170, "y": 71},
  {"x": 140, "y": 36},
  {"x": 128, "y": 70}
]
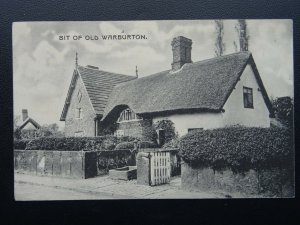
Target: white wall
[{"x": 235, "y": 113}]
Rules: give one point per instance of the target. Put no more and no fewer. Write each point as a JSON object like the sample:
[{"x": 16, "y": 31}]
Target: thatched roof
[
  {"x": 203, "y": 86},
  {"x": 99, "y": 85}
]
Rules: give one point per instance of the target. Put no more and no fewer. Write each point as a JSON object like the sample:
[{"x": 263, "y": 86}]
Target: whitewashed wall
[{"x": 235, "y": 113}]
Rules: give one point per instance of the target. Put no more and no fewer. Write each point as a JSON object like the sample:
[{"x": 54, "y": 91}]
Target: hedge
[
  {"x": 21, "y": 144},
  {"x": 238, "y": 148},
  {"x": 108, "y": 142}
]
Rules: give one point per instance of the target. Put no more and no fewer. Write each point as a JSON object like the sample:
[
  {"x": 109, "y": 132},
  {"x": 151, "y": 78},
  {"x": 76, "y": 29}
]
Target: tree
[
  {"x": 51, "y": 130},
  {"x": 284, "y": 110},
  {"x": 219, "y": 44},
  {"x": 244, "y": 37}
]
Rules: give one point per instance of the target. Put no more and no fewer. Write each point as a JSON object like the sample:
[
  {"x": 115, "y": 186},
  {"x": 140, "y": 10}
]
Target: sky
[{"x": 43, "y": 63}]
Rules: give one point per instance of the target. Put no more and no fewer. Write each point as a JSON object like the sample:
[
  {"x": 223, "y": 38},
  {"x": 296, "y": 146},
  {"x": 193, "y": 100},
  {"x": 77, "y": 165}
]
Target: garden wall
[
  {"x": 273, "y": 182},
  {"x": 74, "y": 164}
]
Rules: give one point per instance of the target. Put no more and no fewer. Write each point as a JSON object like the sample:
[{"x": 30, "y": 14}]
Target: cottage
[
  {"x": 218, "y": 92},
  {"x": 27, "y": 122}
]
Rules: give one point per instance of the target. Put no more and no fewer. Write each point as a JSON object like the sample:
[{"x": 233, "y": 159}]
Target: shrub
[
  {"x": 107, "y": 160},
  {"x": 125, "y": 145},
  {"x": 147, "y": 144},
  {"x": 20, "y": 144},
  {"x": 174, "y": 143},
  {"x": 238, "y": 148},
  {"x": 73, "y": 143},
  {"x": 169, "y": 128}
]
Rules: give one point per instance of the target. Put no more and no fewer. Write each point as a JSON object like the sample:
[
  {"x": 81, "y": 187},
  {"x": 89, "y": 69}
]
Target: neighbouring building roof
[
  {"x": 203, "y": 85},
  {"x": 99, "y": 85},
  {"x": 29, "y": 120}
]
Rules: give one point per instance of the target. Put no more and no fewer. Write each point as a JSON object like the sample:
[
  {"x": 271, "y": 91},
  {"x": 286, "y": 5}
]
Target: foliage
[
  {"x": 107, "y": 160},
  {"x": 51, "y": 130},
  {"x": 238, "y": 148},
  {"x": 219, "y": 44},
  {"x": 125, "y": 145},
  {"x": 283, "y": 110},
  {"x": 244, "y": 37},
  {"x": 147, "y": 144},
  {"x": 174, "y": 143},
  {"x": 20, "y": 143},
  {"x": 169, "y": 128},
  {"x": 107, "y": 142}
]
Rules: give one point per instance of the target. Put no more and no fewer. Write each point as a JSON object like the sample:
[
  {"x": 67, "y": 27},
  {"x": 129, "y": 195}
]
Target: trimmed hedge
[
  {"x": 71, "y": 143},
  {"x": 239, "y": 148},
  {"x": 108, "y": 142},
  {"x": 125, "y": 145},
  {"x": 130, "y": 145},
  {"x": 21, "y": 144}
]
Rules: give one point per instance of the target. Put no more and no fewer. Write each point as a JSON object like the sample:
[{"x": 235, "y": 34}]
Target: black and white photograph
[{"x": 153, "y": 109}]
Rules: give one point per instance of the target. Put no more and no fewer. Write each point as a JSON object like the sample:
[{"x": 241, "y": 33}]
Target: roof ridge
[
  {"x": 186, "y": 64},
  {"x": 105, "y": 71},
  {"x": 220, "y": 57}
]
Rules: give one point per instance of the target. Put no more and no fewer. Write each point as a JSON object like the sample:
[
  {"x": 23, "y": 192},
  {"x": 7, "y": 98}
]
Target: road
[{"x": 25, "y": 191}]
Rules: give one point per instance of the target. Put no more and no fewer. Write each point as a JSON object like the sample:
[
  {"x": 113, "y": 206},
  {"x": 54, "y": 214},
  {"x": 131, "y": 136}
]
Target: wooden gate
[{"x": 160, "y": 168}]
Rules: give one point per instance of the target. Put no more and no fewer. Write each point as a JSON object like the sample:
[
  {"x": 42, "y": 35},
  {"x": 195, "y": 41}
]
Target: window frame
[
  {"x": 247, "y": 95},
  {"x": 195, "y": 129},
  {"x": 127, "y": 115},
  {"x": 79, "y": 96},
  {"x": 78, "y": 113}
]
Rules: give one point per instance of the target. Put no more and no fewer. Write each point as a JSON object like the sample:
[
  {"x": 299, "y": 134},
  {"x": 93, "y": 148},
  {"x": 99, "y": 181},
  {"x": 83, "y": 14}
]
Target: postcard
[{"x": 169, "y": 109}]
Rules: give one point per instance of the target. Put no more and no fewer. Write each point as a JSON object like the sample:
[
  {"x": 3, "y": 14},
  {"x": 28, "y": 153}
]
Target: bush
[
  {"x": 107, "y": 142},
  {"x": 125, "y": 145},
  {"x": 20, "y": 144},
  {"x": 174, "y": 143},
  {"x": 147, "y": 144},
  {"x": 169, "y": 128},
  {"x": 238, "y": 148}
]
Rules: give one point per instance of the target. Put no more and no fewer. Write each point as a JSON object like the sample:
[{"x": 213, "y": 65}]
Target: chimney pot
[
  {"x": 181, "y": 47},
  {"x": 24, "y": 114}
]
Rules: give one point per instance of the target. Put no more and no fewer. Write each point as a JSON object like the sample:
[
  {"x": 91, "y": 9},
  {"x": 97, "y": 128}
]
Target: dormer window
[{"x": 128, "y": 115}]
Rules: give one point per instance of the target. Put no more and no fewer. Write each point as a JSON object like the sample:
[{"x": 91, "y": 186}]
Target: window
[
  {"x": 79, "y": 134},
  {"x": 79, "y": 95},
  {"x": 78, "y": 113},
  {"x": 119, "y": 133},
  {"x": 193, "y": 129},
  {"x": 128, "y": 115},
  {"x": 248, "y": 97}
]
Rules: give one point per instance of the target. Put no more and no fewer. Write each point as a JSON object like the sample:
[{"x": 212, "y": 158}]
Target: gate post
[{"x": 143, "y": 168}]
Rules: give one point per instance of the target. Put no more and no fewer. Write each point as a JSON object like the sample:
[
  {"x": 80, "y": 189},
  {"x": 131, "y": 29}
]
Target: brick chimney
[
  {"x": 181, "y": 47},
  {"x": 24, "y": 114}
]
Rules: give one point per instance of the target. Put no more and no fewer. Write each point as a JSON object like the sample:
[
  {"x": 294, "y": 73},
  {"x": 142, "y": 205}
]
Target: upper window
[
  {"x": 78, "y": 113},
  {"x": 79, "y": 134},
  {"x": 194, "y": 129},
  {"x": 79, "y": 95},
  {"x": 248, "y": 97},
  {"x": 128, "y": 115}
]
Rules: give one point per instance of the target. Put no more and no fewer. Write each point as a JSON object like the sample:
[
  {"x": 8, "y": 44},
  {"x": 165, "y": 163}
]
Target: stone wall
[
  {"x": 269, "y": 183},
  {"x": 85, "y": 124},
  {"x": 55, "y": 163},
  {"x": 74, "y": 164}
]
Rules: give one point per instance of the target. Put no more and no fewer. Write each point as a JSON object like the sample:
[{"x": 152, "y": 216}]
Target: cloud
[
  {"x": 20, "y": 31},
  {"x": 38, "y": 81}
]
